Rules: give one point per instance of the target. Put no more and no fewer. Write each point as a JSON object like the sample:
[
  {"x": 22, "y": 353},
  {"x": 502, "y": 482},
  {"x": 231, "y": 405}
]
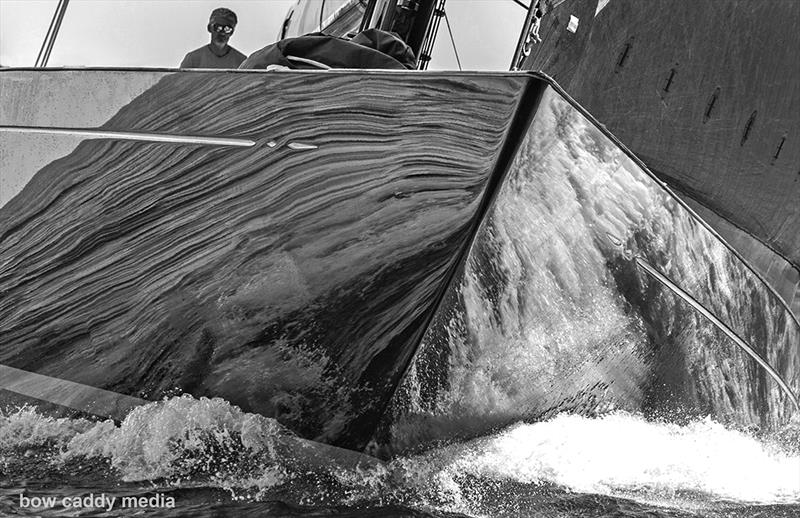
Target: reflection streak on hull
[{"x": 122, "y": 135}]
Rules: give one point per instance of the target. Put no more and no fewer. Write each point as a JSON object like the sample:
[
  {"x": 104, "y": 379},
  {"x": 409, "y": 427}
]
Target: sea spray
[
  {"x": 183, "y": 442},
  {"x": 182, "y": 437},
  {"x": 25, "y": 427}
]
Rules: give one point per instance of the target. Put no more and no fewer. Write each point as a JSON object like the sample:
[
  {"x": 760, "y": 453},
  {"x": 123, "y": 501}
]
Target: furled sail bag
[{"x": 372, "y": 48}]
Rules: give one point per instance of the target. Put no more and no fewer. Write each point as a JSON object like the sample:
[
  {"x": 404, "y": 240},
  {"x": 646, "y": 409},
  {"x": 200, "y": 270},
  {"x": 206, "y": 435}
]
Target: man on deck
[{"x": 217, "y": 54}]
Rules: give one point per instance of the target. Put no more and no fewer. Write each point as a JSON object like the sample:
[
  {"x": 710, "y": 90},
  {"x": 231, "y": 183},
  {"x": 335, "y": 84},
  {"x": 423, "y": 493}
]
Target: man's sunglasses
[{"x": 222, "y": 29}]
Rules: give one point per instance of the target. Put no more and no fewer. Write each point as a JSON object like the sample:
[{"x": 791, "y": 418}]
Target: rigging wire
[
  {"x": 52, "y": 33},
  {"x": 55, "y": 32},
  {"x": 47, "y": 34},
  {"x": 452, "y": 40},
  {"x": 519, "y": 3}
]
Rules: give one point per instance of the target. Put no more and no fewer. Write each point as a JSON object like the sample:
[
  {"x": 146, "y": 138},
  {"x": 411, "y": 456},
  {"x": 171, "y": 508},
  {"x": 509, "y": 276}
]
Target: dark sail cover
[{"x": 369, "y": 49}]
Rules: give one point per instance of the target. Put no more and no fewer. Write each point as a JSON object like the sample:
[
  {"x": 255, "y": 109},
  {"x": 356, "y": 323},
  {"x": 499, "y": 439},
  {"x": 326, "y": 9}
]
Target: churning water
[{"x": 205, "y": 457}]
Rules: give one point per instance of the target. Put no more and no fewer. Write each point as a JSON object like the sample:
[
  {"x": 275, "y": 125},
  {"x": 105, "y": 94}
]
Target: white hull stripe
[{"x": 68, "y": 393}]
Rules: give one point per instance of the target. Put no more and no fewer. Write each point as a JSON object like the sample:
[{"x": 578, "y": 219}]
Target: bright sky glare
[{"x": 158, "y": 33}]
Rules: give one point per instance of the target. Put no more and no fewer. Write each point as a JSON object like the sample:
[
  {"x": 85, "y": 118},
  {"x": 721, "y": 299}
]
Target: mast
[
  {"x": 415, "y": 21},
  {"x": 426, "y": 51}
]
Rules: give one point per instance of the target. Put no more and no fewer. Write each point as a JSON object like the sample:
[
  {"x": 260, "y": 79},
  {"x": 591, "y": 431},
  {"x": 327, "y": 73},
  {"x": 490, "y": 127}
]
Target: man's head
[{"x": 221, "y": 24}]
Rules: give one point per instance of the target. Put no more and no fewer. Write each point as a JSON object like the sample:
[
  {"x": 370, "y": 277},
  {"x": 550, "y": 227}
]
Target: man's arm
[{"x": 188, "y": 61}]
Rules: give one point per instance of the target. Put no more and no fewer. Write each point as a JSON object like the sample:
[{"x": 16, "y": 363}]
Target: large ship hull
[
  {"x": 278, "y": 240},
  {"x": 705, "y": 93},
  {"x": 362, "y": 256}
]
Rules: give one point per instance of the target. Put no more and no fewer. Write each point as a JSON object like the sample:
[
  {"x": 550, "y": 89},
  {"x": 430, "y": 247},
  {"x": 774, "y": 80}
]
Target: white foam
[
  {"x": 25, "y": 427},
  {"x": 625, "y": 455}
]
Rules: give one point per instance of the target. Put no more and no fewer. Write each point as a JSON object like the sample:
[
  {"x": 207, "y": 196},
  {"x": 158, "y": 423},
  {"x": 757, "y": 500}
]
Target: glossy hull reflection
[
  {"x": 278, "y": 240},
  {"x": 564, "y": 305}
]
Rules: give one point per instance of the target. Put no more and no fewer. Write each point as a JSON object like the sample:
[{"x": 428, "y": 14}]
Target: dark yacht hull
[
  {"x": 279, "y": 240},
  {"x": 705, "y": 93},
  {"x": 378, "y": 260}
]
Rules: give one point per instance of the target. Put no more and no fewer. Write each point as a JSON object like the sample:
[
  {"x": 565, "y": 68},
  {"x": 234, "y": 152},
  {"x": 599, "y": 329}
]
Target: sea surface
[{"x": 204, "y": 457}]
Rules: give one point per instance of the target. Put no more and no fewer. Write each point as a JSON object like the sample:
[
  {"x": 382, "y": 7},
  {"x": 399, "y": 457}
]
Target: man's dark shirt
[{"x": 204, "y": 57}]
